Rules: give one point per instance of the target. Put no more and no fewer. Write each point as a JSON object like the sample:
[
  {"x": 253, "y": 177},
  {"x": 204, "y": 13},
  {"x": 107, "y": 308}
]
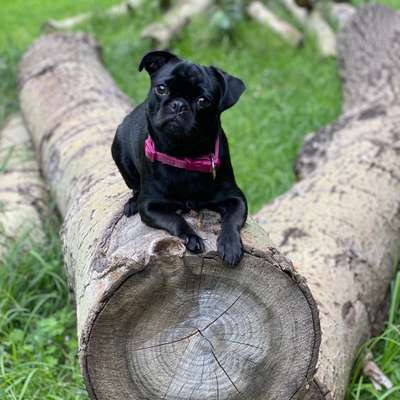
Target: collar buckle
[{"x": 213, "y": 167}]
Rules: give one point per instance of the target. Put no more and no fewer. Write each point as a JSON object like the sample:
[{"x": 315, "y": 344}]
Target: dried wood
[
  {"x": 264, "y": 16},
  {"x": 341, "y": 223},
  {"x": 163, "y": 32},
  {"x": 23, "y": 194},
  {"x": 314, "y": 22}
]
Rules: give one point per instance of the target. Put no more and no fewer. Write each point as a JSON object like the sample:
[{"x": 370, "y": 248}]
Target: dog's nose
[{"x": 178, "y": 106}]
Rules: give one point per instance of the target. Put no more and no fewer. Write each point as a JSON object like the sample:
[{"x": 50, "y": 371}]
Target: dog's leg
[
  {"x": 161, "y": 215},
  {"x": 131, "y": 207},
  {"x": 129, "y": 173},
  {"x": 133, "y": 181},
  {"x": 234, "y": 213}
]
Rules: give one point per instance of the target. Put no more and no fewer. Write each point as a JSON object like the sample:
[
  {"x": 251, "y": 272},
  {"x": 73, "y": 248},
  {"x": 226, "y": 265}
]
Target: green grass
[
  {"x": 290, "y": 92},
  {"x": 386, "y": 351},
  {"x": 38, "y": 344}
]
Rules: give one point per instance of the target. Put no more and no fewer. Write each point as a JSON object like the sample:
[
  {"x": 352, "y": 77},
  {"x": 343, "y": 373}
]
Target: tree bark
[
  {"x": 163, "y": 32},
  {"x": 23, "y": 194},
  {"x": 155, "y": 321},
  {"x": 341, "y": 223},
  {"x": 264, "y": 16}
]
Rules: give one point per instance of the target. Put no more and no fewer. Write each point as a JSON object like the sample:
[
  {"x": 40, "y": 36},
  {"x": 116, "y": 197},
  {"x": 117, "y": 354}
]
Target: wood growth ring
[{"x": 203, "y": 332}]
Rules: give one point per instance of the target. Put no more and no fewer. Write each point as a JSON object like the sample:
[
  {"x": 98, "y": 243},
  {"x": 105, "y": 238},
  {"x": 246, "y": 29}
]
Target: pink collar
[{"x": 208, "y": 163}]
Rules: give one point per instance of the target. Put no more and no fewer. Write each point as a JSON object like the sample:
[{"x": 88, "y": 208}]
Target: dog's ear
[
  {"x": 154, "y": 60},
  {"x": 231, "y": 88}
]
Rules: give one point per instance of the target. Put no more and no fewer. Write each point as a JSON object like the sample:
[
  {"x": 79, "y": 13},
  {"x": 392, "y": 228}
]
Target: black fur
[{"x": 181, "y": 125}]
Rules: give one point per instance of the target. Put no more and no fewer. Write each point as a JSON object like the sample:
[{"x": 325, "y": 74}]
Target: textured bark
[
  {"x": 264, "y": 16},
  {"x": 163, "y": 32},
  {"x": 71, "y": 22},
  {"x": 341, "y": 223},
  {"x": 155, "y": 321},
  {"x": 314, "y": 22},
  {"x": 23, "y": 195}
]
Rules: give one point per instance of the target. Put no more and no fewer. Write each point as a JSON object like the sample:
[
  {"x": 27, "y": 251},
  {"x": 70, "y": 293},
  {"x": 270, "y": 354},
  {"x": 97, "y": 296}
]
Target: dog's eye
[
  {"x": 161, "y": 90},
  {"x": 202, "y": 102}
]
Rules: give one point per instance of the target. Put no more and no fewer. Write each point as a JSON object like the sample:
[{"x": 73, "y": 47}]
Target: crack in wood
[
  {"x": 223, "y": 313},
  {"x": 168, "y": 343},
  {"x": 224, "y": 371},
  {"x": 176, "y": 369},
  {"x": 242, "y": 343},
  {"x": 216, "y": 379},
  {"x": 218, "y": 362}
]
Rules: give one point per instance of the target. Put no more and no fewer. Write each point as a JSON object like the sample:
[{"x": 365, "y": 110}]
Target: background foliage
[{"x": 290, "y": 92}]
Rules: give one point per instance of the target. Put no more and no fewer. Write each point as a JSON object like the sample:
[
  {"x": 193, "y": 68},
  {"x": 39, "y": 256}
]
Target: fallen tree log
[
  {"x": 314, "y": 22},
  {"x": 341, "y": 223},
  {"x": 23, "y": 194},
  {"x": 173, "y": 21},
  {"x": 155, "y": 321},
  {"x": 259, "y": 12}
]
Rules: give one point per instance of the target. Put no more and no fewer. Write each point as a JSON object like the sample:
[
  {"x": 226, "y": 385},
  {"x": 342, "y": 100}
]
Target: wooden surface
[
  {"x": 341, "y": 223},
  {"x": 190, "y": 328},
  {"x": 23, "y": 194},
  {"x": 162, "y": 33},
  {"x": 314, "y": 23},
  {"x": 259, "y": 12},
  {"x": 251, "y": 332}
]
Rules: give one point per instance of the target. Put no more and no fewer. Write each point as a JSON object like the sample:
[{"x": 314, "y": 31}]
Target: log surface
[
  {"x": 315, "y": 23},
  {"x": 259, "y": 12},
  {"x": 162, "y": 33},
  {"x": 23, "y": 194},
  {"x": 341, "y": 223},
  {"x": 155, "y": 321}
]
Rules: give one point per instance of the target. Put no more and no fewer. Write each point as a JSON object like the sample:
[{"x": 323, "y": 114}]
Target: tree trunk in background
[
  {"x": 155, "y": 321},
  {"x": 23, "y": 195},
  {"x": 259, "y": 12},
  {"x": 314, "y": 22},
  {"x": 173, "y": 21},
  {"x": 341, "y": 223}
]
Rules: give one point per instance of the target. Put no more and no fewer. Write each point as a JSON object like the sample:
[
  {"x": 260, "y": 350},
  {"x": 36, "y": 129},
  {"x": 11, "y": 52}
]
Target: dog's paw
[
  {"x": 230, "y": 248},
  {"x": 194, "y": 243},
  {"x": 130, "y": 207}
]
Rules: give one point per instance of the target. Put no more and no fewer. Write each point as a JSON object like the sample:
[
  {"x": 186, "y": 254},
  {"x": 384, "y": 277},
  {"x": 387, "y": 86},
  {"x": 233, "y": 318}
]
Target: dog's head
[{"x": 185, "y": 99}]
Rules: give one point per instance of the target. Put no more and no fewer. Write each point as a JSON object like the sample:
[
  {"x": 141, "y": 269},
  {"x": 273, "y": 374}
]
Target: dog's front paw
[
  {"x": 230, "y": 248},
  {"x": 130, "y": 207},
  {"x": 194, "y": 243}
]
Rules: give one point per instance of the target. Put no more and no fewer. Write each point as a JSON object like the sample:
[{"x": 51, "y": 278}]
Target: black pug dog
[{"x": 173, "y": 153}]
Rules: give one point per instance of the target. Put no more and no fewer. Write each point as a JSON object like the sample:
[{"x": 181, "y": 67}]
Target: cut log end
[{"x": 203, "y": 331}]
